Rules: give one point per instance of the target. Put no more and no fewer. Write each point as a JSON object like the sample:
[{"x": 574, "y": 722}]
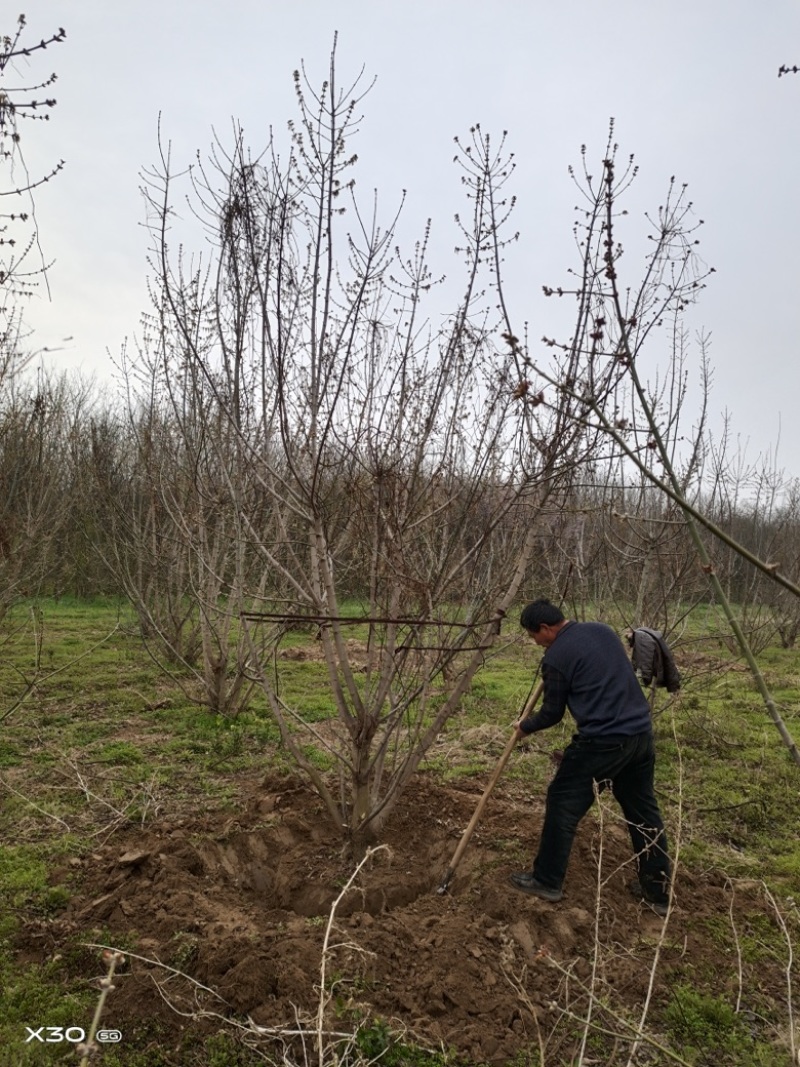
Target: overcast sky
[{"x": 691, "y": 84}]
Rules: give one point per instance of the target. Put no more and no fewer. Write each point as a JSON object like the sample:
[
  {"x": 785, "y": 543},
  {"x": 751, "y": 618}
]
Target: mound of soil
[{"x": 237, "y": 908}]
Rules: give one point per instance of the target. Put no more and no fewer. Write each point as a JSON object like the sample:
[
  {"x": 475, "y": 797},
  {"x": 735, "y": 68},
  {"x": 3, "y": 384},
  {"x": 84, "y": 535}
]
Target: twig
[
  {"x": 633, "y": 1028},
  {"x": 324, "y": 996},
  {"x": 252, "y": 1029},
  {"x": 87, "y": 1048},
  {"x": 640, "y": 1035},
  {"x": 27, "y": 800},
  {"x": 93, "y": 796},
  {"x": 36, "y": 681},
  {"x": 789, "y": 964},
  {"x": 662, "y": 935},
  {"x": 739, "y": 966},
  {"x": 150, "y": 798},
  {"x": 596, "y": 952},
  {"x": 156, "y": 963}
]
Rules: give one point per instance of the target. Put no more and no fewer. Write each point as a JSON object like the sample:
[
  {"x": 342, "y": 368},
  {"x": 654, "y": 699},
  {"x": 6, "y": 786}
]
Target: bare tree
[
  {"x": 37, "y": 421},
  {"x": 31, "y": 415},
  {"x": 785, "y": 544},
  {"x": 623, "y": 544},
  {"x": 614, "y": 322},
  {"x": 388, "y": 473},
  {"x": 22, "y": 264},
  {"x": 170, "y": 541}
]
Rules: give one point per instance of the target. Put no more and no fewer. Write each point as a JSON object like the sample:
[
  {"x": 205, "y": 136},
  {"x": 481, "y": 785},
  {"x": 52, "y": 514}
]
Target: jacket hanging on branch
[{"x": 652, "y": 659}]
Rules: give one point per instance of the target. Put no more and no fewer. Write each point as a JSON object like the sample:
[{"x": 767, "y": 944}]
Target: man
[{"x": 585, "y": 668}]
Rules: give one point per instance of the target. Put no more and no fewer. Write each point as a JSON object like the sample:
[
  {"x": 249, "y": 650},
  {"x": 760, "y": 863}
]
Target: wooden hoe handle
[{"x": 473, "y": 822}]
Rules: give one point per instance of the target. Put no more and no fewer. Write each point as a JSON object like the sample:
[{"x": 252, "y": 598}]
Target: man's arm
[{"x": 554, "y": 704}]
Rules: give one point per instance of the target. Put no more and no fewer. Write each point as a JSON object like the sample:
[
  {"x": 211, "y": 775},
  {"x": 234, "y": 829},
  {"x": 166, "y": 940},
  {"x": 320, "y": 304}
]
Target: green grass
[
  {"x": 721, "y": 759},
  {"x": 707, "y": 1028},
  {"x": 32, "y": 996}
]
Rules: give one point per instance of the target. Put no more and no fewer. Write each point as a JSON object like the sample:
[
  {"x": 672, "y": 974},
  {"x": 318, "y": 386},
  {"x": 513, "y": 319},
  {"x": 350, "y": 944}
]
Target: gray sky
[{"x": 692, "y": 85}]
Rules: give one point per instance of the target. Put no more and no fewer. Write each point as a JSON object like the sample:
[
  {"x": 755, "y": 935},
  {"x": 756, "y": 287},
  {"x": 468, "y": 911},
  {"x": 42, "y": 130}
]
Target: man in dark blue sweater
[{"x": 585, "y": 668}]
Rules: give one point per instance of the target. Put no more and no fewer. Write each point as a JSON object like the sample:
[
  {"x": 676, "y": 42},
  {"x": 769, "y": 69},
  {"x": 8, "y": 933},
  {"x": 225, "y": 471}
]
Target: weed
[
  {"x": 707, "y": 1027},
  {"x": 222, "y": 1051},
  {"x": 118, "y": 752},
  {"x": 183, "y": 949},
  {"x": 376, "y": 1042},
  {"x": 701, "y": 1020}
]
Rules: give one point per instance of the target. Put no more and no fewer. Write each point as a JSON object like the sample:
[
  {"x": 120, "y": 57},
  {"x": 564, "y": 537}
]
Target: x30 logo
[
  {"x": 55, "y": 1034},
  {"x": 52, "y": 1035}
]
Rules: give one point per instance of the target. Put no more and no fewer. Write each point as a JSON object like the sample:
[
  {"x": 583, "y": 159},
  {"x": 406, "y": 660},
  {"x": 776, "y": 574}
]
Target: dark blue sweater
[{"x": 587, "y": 670}]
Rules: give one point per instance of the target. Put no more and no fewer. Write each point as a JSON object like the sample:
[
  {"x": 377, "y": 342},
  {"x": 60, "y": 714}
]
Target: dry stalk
[
  {"x": 792, "y": 1036},
  {"x": 155, "y": 963},
  {"x": 87, "y": 792},
  {"x": 324, "y": 993},
  {"x": 590, "y": 988},
  {"x": 737, "y": 943},
  {"x": 678, "y": 837},
  {"x": 283, "y": 1034},
  {"x": 121, "y": 815},
  {"x": 323, "y": 1039},
  {"x": 596, "y": 945},
  {"x": 631, "y": 1028},
  {"x": 36, "y": 807},
  {"x": 89, "y": 1047},
  {"x": 517, "y": 983},
  {"x": 151, "y": 799},
  {"x": 300, "y": 1033},
  {"x": 39, "y": 677},
  {"x": 251, "y": 1030}
]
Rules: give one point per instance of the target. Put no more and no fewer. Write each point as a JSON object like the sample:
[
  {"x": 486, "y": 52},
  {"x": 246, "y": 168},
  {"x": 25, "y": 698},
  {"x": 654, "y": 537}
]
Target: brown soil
[{"x": 240, "y": 904}]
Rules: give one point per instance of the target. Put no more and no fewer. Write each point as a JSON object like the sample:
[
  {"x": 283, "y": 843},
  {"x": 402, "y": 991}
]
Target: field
[{"x": 133, "y": 821}]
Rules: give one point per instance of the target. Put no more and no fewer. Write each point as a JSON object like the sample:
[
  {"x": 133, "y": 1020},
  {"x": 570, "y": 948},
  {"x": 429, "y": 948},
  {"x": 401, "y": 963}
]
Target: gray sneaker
[{"x": 526, "y": 883}]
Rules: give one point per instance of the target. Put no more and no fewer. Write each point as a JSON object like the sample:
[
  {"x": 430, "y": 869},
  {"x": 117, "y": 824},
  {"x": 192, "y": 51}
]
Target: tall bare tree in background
[
  {"x": 170, "y": 486},
  {"x": 620, "y": 389},
  {"x": 623, "y": 544},
  {"x": 40, "y": 420}
]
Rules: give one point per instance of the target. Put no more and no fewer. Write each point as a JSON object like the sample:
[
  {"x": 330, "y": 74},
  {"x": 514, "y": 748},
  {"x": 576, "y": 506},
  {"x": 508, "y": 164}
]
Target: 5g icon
[{"x": 109, "y": 1036}]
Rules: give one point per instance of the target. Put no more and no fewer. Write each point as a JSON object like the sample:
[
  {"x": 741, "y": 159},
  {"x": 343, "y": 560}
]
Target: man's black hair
[{"x": 540, "y": 613}]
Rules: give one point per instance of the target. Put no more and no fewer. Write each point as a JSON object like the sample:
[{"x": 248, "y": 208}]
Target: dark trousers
[{"x": 628, "y": 764}]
